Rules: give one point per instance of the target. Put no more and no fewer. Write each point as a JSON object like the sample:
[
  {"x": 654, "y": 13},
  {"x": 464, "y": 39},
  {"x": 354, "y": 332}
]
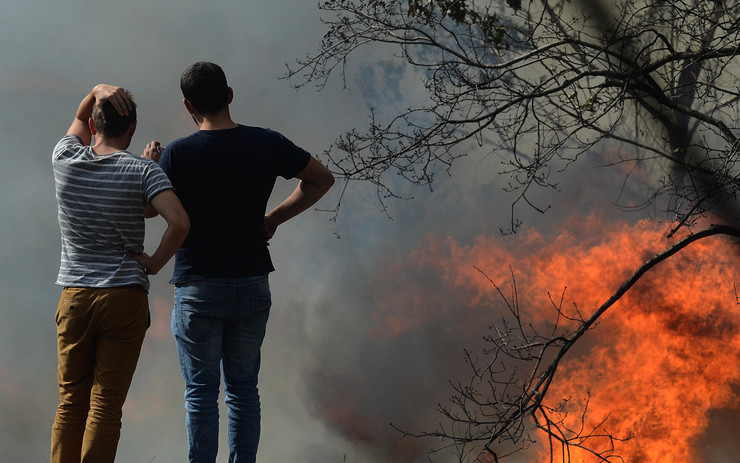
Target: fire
[{"x": 660, "y": 361}]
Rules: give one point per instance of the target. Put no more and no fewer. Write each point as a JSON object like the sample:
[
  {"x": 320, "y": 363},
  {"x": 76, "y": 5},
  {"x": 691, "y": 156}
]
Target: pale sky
[{"x": 322, "y": 349}]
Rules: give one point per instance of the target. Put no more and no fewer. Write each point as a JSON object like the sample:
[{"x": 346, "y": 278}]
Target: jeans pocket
[
  {"x": 195, "y": 317},
  {"x": 260, "y": 311},
  {"x": 260, "y": 303}
]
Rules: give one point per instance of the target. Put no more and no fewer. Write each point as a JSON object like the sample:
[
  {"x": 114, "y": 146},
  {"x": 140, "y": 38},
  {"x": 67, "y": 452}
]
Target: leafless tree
[{"x": 542, "y": 84}]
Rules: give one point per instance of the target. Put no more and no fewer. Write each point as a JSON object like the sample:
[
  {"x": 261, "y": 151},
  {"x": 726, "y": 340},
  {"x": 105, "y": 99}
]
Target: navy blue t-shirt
[{"x": 224, "y": 179}]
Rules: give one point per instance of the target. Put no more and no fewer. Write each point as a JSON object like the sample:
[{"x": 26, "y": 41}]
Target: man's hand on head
[{"x": 114, "y": 95}]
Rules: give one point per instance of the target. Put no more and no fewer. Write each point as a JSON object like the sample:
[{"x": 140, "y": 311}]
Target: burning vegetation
[{"x": 642, "y": 384}]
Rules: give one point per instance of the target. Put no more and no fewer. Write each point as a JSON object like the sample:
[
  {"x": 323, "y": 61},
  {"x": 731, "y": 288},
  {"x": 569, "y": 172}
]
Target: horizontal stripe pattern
[{"x": 101, "y": 202}]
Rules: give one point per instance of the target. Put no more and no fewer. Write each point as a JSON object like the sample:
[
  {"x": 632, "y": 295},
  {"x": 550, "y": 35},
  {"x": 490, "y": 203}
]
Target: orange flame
[{"x": 661, "y": 360}]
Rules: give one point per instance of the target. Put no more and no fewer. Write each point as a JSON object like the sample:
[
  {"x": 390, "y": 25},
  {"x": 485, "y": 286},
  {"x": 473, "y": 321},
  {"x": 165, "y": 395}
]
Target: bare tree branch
[
  {"x": 540, "y": 84},
  {"x": 499, "y": 408}
]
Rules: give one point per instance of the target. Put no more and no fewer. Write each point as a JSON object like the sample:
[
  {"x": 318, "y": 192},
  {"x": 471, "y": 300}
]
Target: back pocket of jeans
[
  {"x": 260, "y": 303},
  {"x": 195, "y": 318}
]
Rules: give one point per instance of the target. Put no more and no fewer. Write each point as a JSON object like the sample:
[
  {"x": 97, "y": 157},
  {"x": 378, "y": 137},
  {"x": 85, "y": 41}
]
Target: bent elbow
[
  {"x": 328, "y": 181},
  {"x": 185, "y": 225},
  {"x": 181, "y": 225}
]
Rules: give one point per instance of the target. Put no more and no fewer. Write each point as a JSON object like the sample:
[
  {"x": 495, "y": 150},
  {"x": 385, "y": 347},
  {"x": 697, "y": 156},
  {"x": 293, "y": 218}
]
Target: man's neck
[
  {"x": 218, "y": 121},
  {"x": 105, "y": 146}
]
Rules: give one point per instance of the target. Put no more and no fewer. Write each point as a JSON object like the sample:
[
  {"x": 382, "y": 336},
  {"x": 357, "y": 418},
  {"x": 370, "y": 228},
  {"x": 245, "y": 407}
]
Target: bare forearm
[
  {"x": 315, "y": 181},
  {"x": 79, "y": 126},
  {"x": 86, "y": 107},
  {"x": 169, "y": 207},
  {"x": 172, "y": 239},
  {"x": 304, "y": 196}
]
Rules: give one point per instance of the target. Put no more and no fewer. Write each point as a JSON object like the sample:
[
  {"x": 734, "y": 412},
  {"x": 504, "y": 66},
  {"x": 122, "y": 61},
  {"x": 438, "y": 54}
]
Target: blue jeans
[{"x": 221, "y": 323}]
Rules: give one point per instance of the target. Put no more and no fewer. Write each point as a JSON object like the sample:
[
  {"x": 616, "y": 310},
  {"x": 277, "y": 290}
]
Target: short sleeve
[
  {"x": 68, "y": 143},
  {"x": 155, "y": 181},
  {"x": 293, "y": 159}
]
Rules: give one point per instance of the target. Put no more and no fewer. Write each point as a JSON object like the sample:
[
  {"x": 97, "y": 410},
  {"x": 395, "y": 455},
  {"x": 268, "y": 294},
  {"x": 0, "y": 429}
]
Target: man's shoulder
[
  {"x": 68, "y": 141},
  {"x": 256, "y": 139},
  {"x": 183, "y": 142},
  {"x": 69, "y": 146},
  {"x": 128, "y": 156},
  {"x": 261, "y": 132},
  {"x": 125, "y": 160}
]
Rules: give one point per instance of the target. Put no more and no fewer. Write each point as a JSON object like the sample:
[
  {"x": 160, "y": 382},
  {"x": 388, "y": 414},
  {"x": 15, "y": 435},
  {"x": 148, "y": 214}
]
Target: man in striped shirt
[{"x": 102, "y": 194}]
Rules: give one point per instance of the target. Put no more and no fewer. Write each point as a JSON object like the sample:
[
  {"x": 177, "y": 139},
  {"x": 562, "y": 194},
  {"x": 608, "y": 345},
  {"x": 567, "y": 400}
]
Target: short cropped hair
[
  {"x": 109, "y": 123},
  {"x": 204, "y": 85}
]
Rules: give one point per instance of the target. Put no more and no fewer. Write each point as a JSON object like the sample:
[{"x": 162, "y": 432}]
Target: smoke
[
  {"x": 366, "y": 329},
  {"x": 53, "y": 54},
  {"x": 659, "y": 366}
]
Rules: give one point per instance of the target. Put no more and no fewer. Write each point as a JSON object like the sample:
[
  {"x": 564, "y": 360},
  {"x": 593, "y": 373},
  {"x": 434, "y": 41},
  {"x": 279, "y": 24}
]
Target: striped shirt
[{"x": 101, "y": 202}]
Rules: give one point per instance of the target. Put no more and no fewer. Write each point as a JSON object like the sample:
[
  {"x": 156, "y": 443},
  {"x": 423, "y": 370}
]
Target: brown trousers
[{"x": 99, "y": 337}]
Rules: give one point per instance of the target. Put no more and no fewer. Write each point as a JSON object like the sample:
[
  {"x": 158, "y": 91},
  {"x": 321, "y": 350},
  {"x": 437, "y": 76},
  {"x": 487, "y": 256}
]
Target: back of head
[
  {"x": 204, "y": 85},
  {"x": 109, "y": 123}
]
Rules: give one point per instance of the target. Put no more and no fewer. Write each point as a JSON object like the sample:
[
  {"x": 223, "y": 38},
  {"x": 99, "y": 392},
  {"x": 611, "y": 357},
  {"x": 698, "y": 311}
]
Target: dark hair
[
  {"x": 204, "y": 85},
  {"x": 111, "y": 124}
]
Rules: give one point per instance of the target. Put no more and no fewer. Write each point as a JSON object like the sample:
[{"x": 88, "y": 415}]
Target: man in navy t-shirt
[{"x": 224, "y": 174}]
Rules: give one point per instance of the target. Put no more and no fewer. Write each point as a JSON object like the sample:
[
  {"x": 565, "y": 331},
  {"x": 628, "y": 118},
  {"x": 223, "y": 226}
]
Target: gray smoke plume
[{"x": 334, "y": 375}]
